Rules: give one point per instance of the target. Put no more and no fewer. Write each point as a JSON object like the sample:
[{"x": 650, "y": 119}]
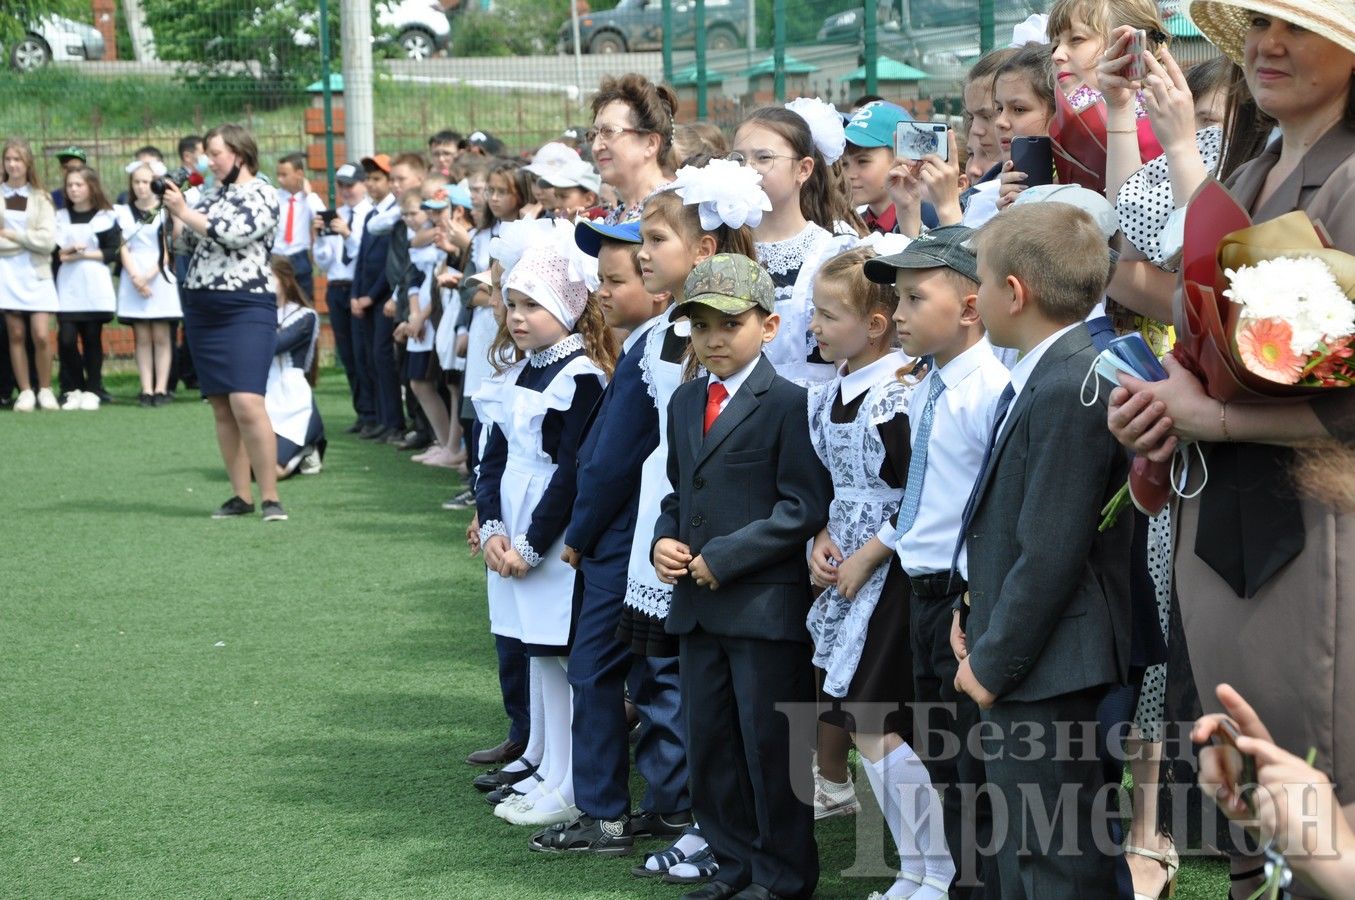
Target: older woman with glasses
[
  {"x": 1265, "y": 566},
  {"x": 632, "y": 140}
]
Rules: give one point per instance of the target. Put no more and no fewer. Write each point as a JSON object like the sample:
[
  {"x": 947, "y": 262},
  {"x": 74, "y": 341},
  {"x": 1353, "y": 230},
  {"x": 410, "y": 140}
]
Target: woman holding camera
[{"x": 230, "y": 310}]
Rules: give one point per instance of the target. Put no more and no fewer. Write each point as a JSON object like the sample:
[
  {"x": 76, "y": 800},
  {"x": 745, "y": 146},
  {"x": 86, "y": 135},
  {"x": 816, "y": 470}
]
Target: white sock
[
  {"x": 536, "y": 737},
  {"x": 557, "y": 704},
  {"x": 913, "y": 812},
  {"x": 689, "y": 844}
]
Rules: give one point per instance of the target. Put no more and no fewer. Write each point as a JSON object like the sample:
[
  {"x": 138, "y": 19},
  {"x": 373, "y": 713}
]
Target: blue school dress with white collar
[{"x": 535, "y": 412}]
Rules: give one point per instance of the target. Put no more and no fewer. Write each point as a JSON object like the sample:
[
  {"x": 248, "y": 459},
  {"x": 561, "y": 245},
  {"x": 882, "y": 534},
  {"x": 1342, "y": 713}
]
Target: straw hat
[{"x": 1225, "y": 22}]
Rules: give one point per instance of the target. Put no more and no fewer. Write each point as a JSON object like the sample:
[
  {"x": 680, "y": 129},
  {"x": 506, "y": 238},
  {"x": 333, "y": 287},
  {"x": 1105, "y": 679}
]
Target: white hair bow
[
  {"x": 1035, "y": 30},
  {"x": 157, "y": 168},
  {"x": 514, "y": 238},
  {"x": 582, "y": 266},
  {"x": 825, "y": 126},
  {"x": 886, "y": 244},
  {"x": 724, "y": 192}
]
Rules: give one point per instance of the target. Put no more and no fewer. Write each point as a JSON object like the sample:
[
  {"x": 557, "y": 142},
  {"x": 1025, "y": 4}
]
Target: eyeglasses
[
  {"x": 609, "y": 133},
  {"x": 760, "y": 161}
]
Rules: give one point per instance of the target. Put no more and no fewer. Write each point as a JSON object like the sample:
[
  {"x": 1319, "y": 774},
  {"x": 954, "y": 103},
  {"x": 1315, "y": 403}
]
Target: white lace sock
[
  {"x": 557, "y": 703},
  {"x": 913, "y": 812}
]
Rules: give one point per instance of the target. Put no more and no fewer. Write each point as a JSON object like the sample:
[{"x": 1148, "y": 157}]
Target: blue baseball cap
[
  {"x": 589, "y": 235},
  {"x": 873, "y": 124}
]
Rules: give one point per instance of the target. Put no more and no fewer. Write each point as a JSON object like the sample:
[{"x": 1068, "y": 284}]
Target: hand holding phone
[
  {"x": 915, "y": 140},
  {"x": 1133, "y": 350},
  {"x": 1034, "y": 157}
]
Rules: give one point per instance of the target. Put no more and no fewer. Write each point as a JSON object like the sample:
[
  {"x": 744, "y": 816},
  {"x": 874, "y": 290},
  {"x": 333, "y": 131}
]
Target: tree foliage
[{"x": 16, "y": 18}]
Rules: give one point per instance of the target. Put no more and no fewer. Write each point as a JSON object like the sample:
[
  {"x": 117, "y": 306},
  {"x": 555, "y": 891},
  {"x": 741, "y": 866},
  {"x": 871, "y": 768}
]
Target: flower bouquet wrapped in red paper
[
  {"x": 1267, "y": 314},
  {"x": 1078, "y": 135}
]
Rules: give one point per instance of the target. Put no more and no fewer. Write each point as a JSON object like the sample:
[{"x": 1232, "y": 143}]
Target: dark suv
[{"x": 638, "y": 25}]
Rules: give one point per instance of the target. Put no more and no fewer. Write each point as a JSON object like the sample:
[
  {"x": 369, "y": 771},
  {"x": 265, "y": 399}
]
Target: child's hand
[
  {"x": 449, "y": 279},
  {"x": 388, "y": 310},
  {"x": 824, "y": 560},
  {"x": 473, "y": 536},
  {"x": 359, "y": 306},
  {"x": 1111, "y": 72},
  {"x": 670, "y": 560},
  {"x": 495, "y": 548},
  {"x": 571, "y": 556},
  {"x": 967, "y": 683},
  {"x": 701, "y": 574},
  {"x": 401, "y": 332},
  {"x": 941, "y": 182},
  {"x": 854, "y": 572},
  {"x": 903, "y": 185},
  {"x": 958, "y": 645},
  {"x": 1012, "y": 184},
  {"x": 512, "y": 565}
]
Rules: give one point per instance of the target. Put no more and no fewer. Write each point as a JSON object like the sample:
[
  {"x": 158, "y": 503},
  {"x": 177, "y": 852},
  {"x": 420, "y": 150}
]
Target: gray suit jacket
[
  {"x": 1049, "y": 595},
  {"x": 748, "y": 497}
]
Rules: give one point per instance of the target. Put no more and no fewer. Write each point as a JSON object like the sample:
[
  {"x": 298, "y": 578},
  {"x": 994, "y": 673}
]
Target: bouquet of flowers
[
  {"x": 1267, "y": 315},
  {"x": 1078, "y": 136}
]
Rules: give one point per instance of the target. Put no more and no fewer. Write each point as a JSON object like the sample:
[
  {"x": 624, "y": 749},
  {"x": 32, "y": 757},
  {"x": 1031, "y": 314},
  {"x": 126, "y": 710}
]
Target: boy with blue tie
[
  {"x": 1047, "y": 627},
  {"x": 749, "y": 494},
  {"x": 950, "y": 416}
]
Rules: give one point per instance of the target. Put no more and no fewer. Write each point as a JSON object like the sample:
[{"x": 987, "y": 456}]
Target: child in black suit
[
  {"x": 1047, "y": 629},
  {"x": 750, "y": 493}
]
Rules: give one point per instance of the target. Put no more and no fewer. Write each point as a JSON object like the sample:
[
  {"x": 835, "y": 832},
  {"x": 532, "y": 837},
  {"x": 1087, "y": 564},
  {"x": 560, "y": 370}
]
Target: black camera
[{"x": 179, "y": 177}]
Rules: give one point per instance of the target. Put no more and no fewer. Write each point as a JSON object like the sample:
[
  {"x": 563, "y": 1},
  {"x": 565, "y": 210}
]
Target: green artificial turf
[{"x": 199, "y": 708}]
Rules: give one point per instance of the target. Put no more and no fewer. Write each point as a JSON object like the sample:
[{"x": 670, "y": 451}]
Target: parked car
[
  {"x": 421, "y": 27},
  {"x": 638, "y": 25},
  {"x": 55, "y": 38}
]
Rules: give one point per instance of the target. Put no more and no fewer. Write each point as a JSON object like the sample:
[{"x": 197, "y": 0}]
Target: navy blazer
[
  {"x": 623, "y": 432},
  {"x": 369, "y": 273},
  {"x": 748, "y": 497},
  {"x": 1049, "y": 594}
]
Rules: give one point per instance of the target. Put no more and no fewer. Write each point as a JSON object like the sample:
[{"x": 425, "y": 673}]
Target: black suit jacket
[
  {"x": 1049, "y": 595},
  {"x": 748, "y": 497}
]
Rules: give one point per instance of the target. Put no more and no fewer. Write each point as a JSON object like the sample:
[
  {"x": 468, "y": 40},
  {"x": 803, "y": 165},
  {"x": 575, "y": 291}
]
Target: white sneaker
[
  {"x": 47, "y": 400},
  {"x": 830, "y": 801},
  {"x": 89, "y": 400},
  {"x": 73, "y": 400},
  {"x": 310, "y": 463},
  {"x": 26, "y": 402}
]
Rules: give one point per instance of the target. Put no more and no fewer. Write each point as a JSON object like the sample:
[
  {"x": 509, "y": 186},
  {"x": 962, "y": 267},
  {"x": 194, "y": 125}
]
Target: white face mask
[{"x": 1107, "y": 365}]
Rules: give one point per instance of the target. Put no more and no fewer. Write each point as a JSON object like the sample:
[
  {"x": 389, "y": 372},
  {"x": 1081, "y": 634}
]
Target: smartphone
[
  {"x": 327, "y": 216},
  {"x": 1035, "y": 157},
  {"x": 914, "y": 140},
  {"x": 1134, "y": 351},
  {"x": 1239, "y": 768},
  {"x": 1135, "y": 70}
]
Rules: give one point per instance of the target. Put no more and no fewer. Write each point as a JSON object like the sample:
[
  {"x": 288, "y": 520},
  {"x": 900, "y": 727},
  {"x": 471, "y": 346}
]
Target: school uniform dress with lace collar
[
  {"x": 793, "y": 264},
  {"x": 143, "y": 235},
  {"x": 85, "y": 295},
  {"x": 858, "y": 423},
  {"x": 289, "y": 400},
  {"x": 25, "y": 262},
  {"x": 535, "y": 412},
  {"x": 229, "y": 293}
]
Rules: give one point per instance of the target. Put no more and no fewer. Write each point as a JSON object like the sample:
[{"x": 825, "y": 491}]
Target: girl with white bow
[
  {"x": 811, "y": 219},
  {"x": 534, "y": 412},
  {"x": 148, "y": 296}
]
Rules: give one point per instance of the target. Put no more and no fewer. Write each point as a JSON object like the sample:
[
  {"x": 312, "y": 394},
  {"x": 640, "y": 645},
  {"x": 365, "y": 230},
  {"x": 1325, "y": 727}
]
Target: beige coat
[
  {"x": 1290, "y": 650},
  {"x": 39, "y": 236}
]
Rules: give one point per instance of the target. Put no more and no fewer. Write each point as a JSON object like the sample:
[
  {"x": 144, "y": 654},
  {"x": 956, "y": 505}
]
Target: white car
[
  {"x": 421, "y": 27},
  {"x": 55, "y": 38}
]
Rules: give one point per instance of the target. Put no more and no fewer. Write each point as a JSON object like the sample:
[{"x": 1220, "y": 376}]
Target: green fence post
[
  {"x": 986, "y": 26},
  {"x": 779, "y": 50},
  {"x": 326, "y": 93},
  {"x": 701, "y": 60},
  {"x": 872, "y": 50},
  {"x": 668, "y": 41}
]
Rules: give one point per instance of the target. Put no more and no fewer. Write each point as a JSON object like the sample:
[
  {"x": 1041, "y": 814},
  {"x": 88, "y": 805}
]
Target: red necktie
[
  {"x": 291, "y": 219},
  {"x": 715, "y": 395}
]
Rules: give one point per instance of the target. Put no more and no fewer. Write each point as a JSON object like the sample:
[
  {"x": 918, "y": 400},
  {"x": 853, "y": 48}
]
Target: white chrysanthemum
[{"x": 1300, "y": 291}]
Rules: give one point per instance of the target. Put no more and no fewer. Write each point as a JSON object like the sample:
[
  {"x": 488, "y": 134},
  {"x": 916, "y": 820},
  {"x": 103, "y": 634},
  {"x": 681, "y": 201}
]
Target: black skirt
[
  {"x": 885, "y": 673},
  {"x": 645, "y": 634}
]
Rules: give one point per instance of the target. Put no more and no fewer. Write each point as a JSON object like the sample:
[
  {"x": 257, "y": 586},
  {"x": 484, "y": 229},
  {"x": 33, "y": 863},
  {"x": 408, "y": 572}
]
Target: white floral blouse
[{"x": 233, "y": 255}]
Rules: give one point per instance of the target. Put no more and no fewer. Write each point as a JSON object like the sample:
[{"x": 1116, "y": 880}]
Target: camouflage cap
[{"x": 730, "y": 283}]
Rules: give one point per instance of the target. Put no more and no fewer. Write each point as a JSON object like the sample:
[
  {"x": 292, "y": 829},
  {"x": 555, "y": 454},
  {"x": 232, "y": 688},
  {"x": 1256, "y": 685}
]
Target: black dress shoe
[
  {"x": 651, "y": 824},
  {"x": 498, "y": 795},
  {"x": 355, "y": 428},
  {"x": 415, "y": 440},
  {"x": 715, "y": 890},
  {"x": 373, "y": 432},
  {"x": 756, "y": 892},
  {"x": 493, "y": 756},
  {"x": 498, "y": 778}
]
